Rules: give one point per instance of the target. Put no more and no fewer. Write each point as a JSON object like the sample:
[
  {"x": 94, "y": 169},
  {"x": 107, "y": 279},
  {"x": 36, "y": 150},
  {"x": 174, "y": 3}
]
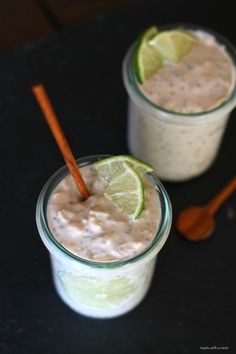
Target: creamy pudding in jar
[
  {"x": 177, "y": 118},
  {"x": 102, "y": 259},
  {"x": 202, "y": 80},
  {"x": 96, "y": 229}
]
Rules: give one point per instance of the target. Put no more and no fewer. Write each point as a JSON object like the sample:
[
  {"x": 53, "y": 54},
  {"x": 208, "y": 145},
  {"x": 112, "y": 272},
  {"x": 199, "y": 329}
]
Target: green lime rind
[
  {"x": 146, "y": 59},
  {"x": 126, "y": 191},
  {"x": 108, "y": 167}
]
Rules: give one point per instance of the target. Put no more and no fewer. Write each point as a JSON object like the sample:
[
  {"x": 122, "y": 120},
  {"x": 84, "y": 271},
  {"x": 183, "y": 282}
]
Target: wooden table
[{"x": 27, "y": 20}]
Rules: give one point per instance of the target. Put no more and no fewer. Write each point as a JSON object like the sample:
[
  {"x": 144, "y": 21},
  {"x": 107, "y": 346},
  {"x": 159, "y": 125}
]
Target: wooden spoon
[
  {"x": 197, "y": 223},
  {"x": 52, "y": 120}
]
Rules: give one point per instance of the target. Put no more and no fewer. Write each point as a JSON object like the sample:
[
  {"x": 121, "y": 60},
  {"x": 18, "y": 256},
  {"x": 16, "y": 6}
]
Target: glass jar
[
  {"x": 179, "y": 145},
  {"x": 100, "y": 289}
]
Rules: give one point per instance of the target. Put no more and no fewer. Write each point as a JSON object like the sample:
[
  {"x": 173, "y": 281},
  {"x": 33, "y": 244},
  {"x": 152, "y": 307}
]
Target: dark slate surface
[{"x": 192, "y": 300}]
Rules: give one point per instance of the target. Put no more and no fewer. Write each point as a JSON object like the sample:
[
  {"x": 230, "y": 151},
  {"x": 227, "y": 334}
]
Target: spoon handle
[{"x": 221, "y": 196}]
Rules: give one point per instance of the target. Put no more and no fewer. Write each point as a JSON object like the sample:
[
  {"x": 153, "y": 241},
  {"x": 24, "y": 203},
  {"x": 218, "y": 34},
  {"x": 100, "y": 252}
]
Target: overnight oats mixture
[
  {"x": 96, "y": 229},
  {"x": 200, "y": 82},
  {"x": 178, "y": 113},
  {"x": 113, "y": 243}
]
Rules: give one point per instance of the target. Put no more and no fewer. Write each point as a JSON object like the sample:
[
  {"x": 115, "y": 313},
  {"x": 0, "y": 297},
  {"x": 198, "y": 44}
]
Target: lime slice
[
  {"x": 108, "y": 167},
  {"x": 125, "y": 189},
  {"x": 173, "y": 45},
  {"x": 147, "y": 60}
]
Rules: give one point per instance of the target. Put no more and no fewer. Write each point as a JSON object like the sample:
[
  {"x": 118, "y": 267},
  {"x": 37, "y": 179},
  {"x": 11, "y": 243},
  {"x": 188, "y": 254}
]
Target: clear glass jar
[
  {"x": 180, "y": 146},
  {"x": 99, "y": 289}
]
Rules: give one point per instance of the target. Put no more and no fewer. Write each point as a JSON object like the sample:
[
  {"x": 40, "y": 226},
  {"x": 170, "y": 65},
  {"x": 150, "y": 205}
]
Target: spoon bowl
[
  {"x": 198, "y": 223},
  {"x": 195, "y": 223}
]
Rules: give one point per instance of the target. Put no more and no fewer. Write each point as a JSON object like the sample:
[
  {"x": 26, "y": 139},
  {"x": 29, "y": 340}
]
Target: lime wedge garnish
[
  {"x": 108, "y": 167},
  {"x": 173, "y": 45},
  {"x": 125, "y": 189},
  {"x": 147, "y": 60},
  {"x": 154, "y": 47},
  {"x": 125, "y": 186}
]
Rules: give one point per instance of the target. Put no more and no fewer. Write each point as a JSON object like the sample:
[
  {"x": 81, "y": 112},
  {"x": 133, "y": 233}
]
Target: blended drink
[
  {"x": 102, "y": 258},
  {"x": 178, "y": 112}
]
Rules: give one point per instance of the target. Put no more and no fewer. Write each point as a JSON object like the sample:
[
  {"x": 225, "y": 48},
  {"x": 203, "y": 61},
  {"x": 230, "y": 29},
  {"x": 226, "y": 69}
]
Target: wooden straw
[{"x": 50, "y": 116}]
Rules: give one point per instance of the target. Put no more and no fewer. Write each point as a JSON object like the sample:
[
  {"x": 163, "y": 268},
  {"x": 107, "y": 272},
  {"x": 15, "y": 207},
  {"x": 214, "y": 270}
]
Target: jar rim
[
  {"x": 54, "y": 246},
  {"x": 132, "y": 87}
]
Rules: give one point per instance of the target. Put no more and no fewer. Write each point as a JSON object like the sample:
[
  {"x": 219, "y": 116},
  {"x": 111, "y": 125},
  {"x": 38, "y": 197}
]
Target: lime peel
[{"x": 146, "y": 59}]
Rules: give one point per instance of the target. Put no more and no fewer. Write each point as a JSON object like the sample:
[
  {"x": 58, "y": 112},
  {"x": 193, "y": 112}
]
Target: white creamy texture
[
  {"x": 200, "y": 82},
  {"x": 104, "y": 293},
  {"x": 177, "y": 151},
  {"x": 96, "y": 229}
]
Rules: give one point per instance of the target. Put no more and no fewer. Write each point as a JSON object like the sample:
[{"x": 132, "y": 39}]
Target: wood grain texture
[
  {"x": 21, "y": 21},
  {"x": 71, "y": 12},
  {"x": 198, "y": 223},
  {"x": 51, "y": 118}
]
